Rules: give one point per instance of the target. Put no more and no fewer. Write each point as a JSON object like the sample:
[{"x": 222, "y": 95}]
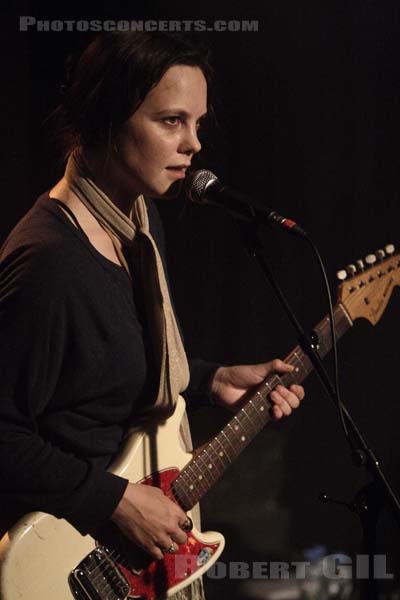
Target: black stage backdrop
[{"x": 308, "y": 121}]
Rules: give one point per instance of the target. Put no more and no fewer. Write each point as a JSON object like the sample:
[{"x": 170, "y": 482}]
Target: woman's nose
[{"x": 190, "y": 142}]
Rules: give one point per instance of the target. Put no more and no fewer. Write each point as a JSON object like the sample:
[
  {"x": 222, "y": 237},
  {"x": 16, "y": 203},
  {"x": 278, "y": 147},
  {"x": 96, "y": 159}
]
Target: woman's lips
[{"x": 178, "y": 172}]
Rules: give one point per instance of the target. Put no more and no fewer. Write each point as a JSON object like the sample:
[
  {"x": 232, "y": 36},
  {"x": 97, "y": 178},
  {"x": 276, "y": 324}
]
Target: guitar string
[
  {"x": 211, "y": 447},
  {"x": 198, "y": 470},
  {"x": 202, "y": 471},
  {"x": 231, "y": 433},
  {"x": 229, "y": 438},
  {"x": 113, "y": 555},
  {"x": 98, "y": 570},
  {"x": 235, "y": 432},
  {"x": 194, "y": 478}
]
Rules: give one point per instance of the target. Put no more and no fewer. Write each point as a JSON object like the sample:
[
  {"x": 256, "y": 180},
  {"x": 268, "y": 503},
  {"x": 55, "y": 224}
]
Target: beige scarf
[{"x": 168, "y": 350}]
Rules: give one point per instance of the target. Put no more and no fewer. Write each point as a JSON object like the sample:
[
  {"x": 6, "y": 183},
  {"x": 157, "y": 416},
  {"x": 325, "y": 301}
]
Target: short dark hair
[{"x": 112, "y": 77}]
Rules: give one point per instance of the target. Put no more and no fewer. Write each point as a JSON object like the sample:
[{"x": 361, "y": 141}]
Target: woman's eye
[{"x": 172, "y": 120}]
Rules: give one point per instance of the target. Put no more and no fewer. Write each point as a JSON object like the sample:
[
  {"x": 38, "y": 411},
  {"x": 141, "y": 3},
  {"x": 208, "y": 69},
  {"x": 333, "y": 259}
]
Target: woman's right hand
[{"x": 150, "y": 519}]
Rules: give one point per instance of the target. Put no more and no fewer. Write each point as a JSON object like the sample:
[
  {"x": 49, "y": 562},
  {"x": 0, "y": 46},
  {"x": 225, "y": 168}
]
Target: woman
[{"x": 89, "y": 337}]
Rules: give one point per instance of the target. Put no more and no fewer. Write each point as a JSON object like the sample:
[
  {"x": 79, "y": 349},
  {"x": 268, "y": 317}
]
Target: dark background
[{"x": 308, "y": 120}]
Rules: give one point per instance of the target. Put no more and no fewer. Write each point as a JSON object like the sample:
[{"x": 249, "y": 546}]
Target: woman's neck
[{"x": 107, "y": 176}]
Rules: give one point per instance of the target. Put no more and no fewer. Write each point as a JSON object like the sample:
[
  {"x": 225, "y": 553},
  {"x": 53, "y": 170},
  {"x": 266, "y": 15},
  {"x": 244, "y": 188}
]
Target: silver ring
[{"x": 171, "y": 550}]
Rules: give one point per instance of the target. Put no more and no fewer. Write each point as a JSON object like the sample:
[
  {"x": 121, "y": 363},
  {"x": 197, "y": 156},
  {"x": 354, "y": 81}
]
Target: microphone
[{"x": 203, "y": 187}]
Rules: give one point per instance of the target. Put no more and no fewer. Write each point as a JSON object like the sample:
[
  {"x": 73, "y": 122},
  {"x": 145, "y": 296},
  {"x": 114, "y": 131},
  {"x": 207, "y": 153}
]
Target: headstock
[{"x": 367, "y": 286}]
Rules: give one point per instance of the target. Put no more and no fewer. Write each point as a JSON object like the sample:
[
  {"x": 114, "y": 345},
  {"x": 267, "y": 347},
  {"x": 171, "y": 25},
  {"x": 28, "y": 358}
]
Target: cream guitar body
[{"x": 43, "y": 557}]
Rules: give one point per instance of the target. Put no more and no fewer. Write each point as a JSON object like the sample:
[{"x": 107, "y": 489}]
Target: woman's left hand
[{"x": 231, "y": 384}]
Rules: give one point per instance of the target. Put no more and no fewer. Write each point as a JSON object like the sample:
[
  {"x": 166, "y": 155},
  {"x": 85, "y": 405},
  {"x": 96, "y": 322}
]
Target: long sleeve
[
  {"x": 199, "y": 391},
  {"x": 35, "y": 473}
]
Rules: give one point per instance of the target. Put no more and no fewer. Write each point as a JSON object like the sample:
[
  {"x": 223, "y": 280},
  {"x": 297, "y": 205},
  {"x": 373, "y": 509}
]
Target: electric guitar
[{"x": 43, "y": 557}]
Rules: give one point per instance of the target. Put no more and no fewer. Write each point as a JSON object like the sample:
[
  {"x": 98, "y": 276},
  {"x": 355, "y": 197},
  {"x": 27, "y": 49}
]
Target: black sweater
[{"x": 74, "y": 369}]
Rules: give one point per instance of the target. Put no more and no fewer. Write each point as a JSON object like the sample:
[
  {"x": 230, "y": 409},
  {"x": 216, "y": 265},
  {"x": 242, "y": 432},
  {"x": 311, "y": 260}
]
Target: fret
[
  {"x": 207, "y": 459},
  {"x": 242, "y": 433},
  {"x": 223, "y": 451},
  {"x": 229, "y": 442},
  {"x": 218, "y": 453},
  {"x": 302, "y": 359},
  {"x": 178, "y": 493},
  {"x": 204, "y": 469},
  {"x": 260, "y": 415},
  {"x": 181, "y": 495},
  {"x": 208, "y": 465},
  {"x": 324, "y": 337},
  {"x": 250, "y": 419},
  {"x": 218, "y": 456},
  {"x": 306, "y": 364},
  {"x": 232, "y": 432},
  {"x": 196, "y": 479},
  {"x": 191, "y": 483},
  {"x": 302, "y": 364},
  {"x": 280, "y": 380},
  {"x": 242, "y": 423},
  {"x": 291, "y": 378},
  {"x": 265, "y": 405},
  {"x": 273, "y": 381},
  {"x": 203, "y": 472},
  {"x": 203, "y": 476},
  {"x": 266, "y": 387},
  {"x": 224, "y": 446}
]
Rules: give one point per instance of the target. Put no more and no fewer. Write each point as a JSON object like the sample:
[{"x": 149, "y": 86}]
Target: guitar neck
[{"x": 209, "y": 465}]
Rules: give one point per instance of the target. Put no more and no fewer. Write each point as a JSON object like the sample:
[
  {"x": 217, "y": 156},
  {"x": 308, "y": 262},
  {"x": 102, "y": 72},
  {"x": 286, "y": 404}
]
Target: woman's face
[{"x": 156, "y": 144}]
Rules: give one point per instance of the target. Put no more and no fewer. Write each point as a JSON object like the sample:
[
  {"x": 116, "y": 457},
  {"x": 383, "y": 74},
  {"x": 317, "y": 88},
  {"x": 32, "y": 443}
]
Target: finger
[
  {"x": 170, "y": 549},
  {"x": 176, "y": 511},
  {"x": 276, "y": 413},
  {"x": 279, "y": 366},
  {"x": 155, "y": 552},
  {"x": 285, "y": 408},
  {"x": 178, "y": 536},
  {"x": 298, "y": 390},
  {"x": 287, "y": 396},
  {"x": 280, "y": 401},
  {"x": 150, "y": 547},
  {"x": 165, "y": 544}
]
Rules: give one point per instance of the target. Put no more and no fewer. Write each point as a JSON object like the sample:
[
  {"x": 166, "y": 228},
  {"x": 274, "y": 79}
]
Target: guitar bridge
[{"x": 97, "y": 577}]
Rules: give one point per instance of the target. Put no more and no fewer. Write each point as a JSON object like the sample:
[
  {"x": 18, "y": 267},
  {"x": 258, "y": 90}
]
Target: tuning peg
[
  {"x": 351, "y": 270},
  {"x": 341, "y": 275},
  {"x": 380, "y": 254},
  {"x": 360, "y": 265},
  {"x": 370, "y": 259},
  {"x": 389, "y": 249}
]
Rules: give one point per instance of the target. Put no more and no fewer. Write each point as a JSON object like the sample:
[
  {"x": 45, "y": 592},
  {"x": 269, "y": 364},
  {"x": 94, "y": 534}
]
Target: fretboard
[{"x": 208, "y": 466}]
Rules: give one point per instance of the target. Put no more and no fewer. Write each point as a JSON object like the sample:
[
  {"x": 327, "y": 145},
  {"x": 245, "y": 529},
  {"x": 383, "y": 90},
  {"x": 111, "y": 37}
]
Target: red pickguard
[{"x": 157, "y": 577}]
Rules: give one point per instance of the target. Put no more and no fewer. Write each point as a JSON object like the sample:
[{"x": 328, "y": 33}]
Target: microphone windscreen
[{"x": 196, "y": 184}]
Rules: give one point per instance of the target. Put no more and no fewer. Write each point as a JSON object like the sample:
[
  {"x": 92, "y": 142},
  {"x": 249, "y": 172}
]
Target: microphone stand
[{"x": 368, "y": 501}]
